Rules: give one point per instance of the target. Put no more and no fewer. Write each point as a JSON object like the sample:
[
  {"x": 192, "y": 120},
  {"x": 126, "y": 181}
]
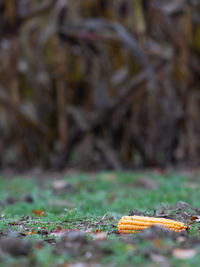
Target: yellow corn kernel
[{"x": 131, "y": 224}]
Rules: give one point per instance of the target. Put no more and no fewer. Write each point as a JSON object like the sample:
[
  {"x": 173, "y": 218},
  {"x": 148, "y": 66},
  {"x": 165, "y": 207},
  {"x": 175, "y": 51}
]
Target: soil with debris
[{"x": 88, "y": 248}]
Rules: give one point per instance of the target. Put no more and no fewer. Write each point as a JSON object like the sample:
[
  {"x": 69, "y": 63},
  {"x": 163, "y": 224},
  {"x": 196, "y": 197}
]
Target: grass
[{"x": 82, "y": 202}]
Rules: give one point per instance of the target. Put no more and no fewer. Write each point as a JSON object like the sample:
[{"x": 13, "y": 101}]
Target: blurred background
[{"x": 98, "y": 84}]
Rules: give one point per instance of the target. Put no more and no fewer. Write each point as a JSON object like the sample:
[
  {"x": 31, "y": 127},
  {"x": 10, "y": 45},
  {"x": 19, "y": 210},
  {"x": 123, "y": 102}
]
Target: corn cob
[{"x": 131, "y": 224}]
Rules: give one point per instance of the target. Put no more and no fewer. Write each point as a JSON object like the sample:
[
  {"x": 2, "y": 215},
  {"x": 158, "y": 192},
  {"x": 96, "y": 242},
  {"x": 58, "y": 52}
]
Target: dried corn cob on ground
[{"x": 132, "y": 224}]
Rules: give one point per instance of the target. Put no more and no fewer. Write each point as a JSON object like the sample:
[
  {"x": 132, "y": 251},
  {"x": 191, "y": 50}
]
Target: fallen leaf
[
  {"x": 30, "y": 233},
  {"x": 14, "y": 223},
  {"x": 184, "y": 253},
  {"x": 39, "y": 212},
  {"x": 195, "y": 218},
  {"x": 58, "y": 228}
]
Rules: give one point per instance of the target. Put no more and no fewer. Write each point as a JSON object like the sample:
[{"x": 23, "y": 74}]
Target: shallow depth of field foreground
[{"x": 71, "y": 219}]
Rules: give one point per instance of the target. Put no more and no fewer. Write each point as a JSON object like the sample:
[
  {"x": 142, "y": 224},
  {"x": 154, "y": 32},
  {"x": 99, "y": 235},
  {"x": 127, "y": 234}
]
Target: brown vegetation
[{"x": 99, "y": 83}]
